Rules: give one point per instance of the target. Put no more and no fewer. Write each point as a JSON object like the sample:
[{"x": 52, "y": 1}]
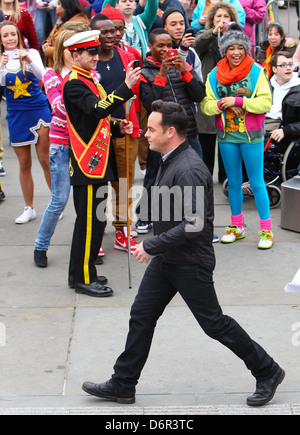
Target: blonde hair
[
  {"x": 16, "y": 15},
  {"x": 69, "y": 29},
  {"x": 20, "y": 46},
  {"x": 58, "y": 55}
]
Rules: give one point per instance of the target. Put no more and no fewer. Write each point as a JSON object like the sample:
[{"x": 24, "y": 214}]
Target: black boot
[
  {"x": 265, "y": 390},
  {"x": 107, "y": 391},
  {"x": 40, "y": 258}
]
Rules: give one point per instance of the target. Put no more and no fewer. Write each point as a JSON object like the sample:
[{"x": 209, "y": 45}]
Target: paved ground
[{"x": 55, "y": 340}]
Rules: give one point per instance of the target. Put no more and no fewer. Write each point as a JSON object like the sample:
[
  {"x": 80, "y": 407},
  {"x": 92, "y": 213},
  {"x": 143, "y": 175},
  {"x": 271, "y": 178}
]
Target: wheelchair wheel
[
  {"x": 225, "y": 187},
  {"x": 274, "y": 195},
  {"x": 291, "y": 161}
]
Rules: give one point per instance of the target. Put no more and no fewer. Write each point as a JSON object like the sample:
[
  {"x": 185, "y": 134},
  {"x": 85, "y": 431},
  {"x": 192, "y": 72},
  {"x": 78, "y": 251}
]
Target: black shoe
[
  {"x": 98, "y": 261},
  {"x": 100, "y": 279},
  {"x": 40, "y": 258},
  {"x": 106, "y": 391},
  {"x": 2, "y": 195},
  {"x": 95, "y": 289},
  {"x": 266, "y": 390}
]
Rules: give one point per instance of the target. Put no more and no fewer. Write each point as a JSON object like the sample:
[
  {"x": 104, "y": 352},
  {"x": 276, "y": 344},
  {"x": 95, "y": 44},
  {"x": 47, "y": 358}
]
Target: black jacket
[
  {"x": 175, "y": 89},
  {"x": 183, "y": 224},
  {"x": 291, "y": 114}
]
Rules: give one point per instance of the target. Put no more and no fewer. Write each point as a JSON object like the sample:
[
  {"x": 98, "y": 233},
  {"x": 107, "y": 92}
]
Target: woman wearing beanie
[{"x": 238, "y": 94}]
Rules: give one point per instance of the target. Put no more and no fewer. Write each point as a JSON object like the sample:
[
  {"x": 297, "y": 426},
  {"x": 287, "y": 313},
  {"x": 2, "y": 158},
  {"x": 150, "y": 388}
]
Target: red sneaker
[
  {"x": 101, "y": 253},
  {"x": 121, "y": 243}
]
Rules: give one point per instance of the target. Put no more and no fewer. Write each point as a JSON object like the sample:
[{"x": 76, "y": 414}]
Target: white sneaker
[
  {"x": 266, "y": 239},
  {"x": 232, "y": 234},
  {"x": 28, "y": 215},
  {"x": 2, "y": 170}
]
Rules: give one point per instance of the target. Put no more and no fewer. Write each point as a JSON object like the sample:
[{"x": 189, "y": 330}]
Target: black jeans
[{"x": 194, "y": 283}]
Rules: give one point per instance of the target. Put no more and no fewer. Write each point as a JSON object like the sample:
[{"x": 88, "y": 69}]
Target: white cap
[{"x": 83, "y": 40}]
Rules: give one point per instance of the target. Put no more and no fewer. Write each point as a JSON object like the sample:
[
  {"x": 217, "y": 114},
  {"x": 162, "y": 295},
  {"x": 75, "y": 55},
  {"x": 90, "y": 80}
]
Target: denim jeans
[
  {"x": 60, "y": 177},
  {"x": 195, "y": 284},
  {"x": 40, "y": 23},
  {"x": 195, "y": 144}
]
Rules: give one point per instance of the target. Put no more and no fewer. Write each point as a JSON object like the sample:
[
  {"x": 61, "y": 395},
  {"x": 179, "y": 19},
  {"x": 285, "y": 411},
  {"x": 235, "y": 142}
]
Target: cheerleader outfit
[{"x": 27, "y": 105}]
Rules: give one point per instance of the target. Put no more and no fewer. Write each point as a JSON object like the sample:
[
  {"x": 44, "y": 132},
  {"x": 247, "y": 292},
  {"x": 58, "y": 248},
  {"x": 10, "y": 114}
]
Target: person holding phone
[
  {"x": 114, "y": 59},
  {"x": 28, "y": 113},
  {"x": 167, "y": 77},
  {"x": 183, "y": 38}
]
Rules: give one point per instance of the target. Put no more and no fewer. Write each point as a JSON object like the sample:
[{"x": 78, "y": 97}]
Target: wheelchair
[{"x": 279, "y": 166}]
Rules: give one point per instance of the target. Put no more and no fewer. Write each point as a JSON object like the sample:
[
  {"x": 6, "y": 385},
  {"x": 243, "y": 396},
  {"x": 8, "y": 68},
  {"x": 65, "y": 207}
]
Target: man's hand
[
  {"x": 126, "y": 127},
  {"x": 188, "y": 40},
  {"x": 277, "y": 135},
  {"x": 141, "y": 255},
  {"x": 179, "y": 64},
  {"x": 132, "y": 75},
  {"x": 166, "y": 64}
]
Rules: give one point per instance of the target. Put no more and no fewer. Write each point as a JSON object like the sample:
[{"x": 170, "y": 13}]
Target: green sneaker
[
  {"x": 233, "y": 233},
  {"x": 266, "y": 239}
]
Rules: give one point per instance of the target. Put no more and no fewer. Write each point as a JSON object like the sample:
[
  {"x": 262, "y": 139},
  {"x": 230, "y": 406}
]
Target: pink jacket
[{"x": 255, "y": 14}]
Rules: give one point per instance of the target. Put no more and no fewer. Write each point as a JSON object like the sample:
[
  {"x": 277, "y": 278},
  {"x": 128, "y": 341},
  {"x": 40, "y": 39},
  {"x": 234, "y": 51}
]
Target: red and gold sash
[{"x": 92, "y": 158}]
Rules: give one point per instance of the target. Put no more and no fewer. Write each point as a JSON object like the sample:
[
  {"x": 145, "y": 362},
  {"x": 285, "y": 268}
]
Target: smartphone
[
  {"x": 14, "y": 54},
  {"x": 136, "y": 64},
  {"x": 190, "y": 30},
  {"x": 173, "y": 52}
]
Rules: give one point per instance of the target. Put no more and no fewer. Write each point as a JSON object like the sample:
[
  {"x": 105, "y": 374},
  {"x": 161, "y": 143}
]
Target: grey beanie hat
[{"x": 234, "y": 37}]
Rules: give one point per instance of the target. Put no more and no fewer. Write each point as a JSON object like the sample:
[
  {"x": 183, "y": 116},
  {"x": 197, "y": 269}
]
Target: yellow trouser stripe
[{"x": 88, "y": 240}]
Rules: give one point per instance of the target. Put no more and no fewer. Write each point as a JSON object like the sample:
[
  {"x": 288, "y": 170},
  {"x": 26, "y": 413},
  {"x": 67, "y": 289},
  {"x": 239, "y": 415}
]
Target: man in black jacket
[
  {"x": 183, "y": 261},
  {"x": 168, "y": 78}
]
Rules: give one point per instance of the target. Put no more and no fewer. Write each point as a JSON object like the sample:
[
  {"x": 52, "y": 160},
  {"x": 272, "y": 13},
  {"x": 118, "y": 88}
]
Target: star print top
[{"x": 22, "y": 91}]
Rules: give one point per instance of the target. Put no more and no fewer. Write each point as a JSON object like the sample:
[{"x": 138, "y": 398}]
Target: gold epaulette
[{"x": 73, "y": 75}]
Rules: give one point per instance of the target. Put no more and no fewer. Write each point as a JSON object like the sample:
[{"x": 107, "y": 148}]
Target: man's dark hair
[
  {"x": 274, "y": 58},
  {"x": 173, "y": 115},
  {"x": 99, "y": 17},
  {"x": 155, "y": 33}
]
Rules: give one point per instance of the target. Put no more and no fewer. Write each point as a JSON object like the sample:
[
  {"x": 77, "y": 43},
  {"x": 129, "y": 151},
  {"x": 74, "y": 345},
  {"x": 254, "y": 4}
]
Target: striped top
[{"x": 59, "y": 133}]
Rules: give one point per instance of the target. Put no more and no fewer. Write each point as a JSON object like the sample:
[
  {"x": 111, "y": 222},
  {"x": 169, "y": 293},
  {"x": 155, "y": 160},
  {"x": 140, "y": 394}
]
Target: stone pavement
[
  {"x": 52, "y": 340},
  {"x": 55, "y": 340}
]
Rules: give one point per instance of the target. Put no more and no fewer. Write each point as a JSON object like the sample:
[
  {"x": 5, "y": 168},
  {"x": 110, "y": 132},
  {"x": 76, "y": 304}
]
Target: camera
[{"x": 227, "y": 25}]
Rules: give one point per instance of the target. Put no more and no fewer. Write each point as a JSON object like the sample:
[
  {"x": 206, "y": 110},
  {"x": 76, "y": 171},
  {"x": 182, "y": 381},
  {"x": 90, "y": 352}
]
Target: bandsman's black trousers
[{"x": 88, "y": 232}]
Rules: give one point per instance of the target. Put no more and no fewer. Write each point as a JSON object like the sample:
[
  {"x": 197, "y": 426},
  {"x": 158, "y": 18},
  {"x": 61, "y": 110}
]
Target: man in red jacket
[{"x": 112, "y": 67}]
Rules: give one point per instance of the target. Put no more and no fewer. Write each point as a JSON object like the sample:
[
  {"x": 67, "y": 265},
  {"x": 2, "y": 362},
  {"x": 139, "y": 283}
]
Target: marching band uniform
[{"x": 92, "y": 162}]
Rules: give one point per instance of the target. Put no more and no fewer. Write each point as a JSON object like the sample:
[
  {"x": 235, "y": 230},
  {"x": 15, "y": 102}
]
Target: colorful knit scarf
[{"x": 226, "y": 75}]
